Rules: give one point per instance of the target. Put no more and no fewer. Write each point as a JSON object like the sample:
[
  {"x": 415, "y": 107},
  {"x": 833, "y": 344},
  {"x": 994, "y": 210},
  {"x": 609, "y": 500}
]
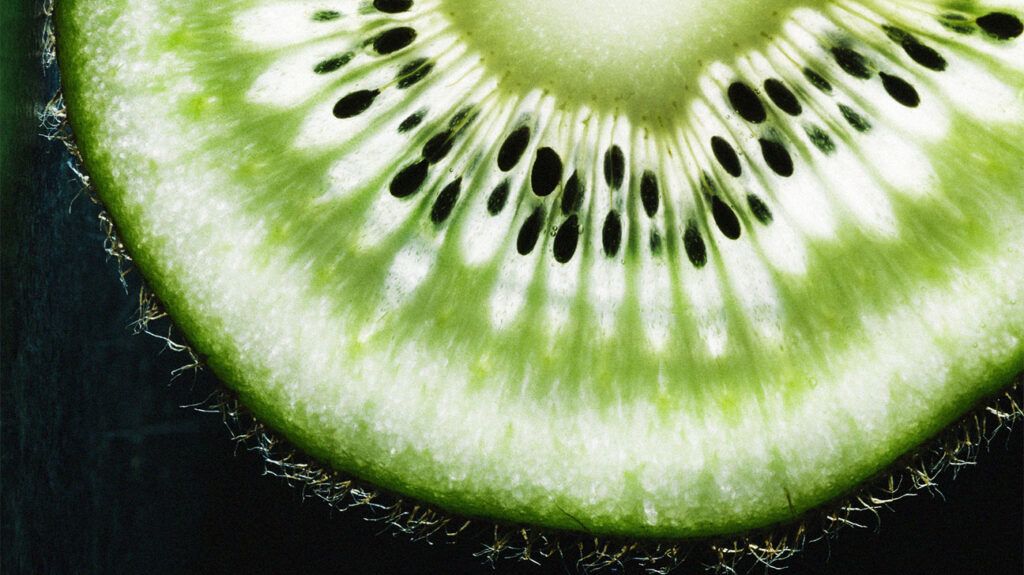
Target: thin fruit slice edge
[{"x": 385, "y": 358}]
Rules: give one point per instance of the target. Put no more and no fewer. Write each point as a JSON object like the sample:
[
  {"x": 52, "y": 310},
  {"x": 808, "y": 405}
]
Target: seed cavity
[
  {"x": 567, "y": 239},
  {"x": 413, "y": 72},
  {"x": 782, "y": 97},
  {"x": 445, "y": 202},
  {"x": 572, "y": 195},
  {"x": 546, "y": 173},
  {"x": 726, "y": 156},
  {"x": 355, "y": 103},
  {"x": 746, "y": 103},
  {"x": 393, "y": 40},
  {"x": 852, "y": 62},
  {"x": 957, "y": 23},
  {"x": 821, "y": 139},
  {"x": 725, "y": 218},
  {"x": 408, "y": 181},
  {"x": 655, "y": 242},
  {"x": 326, "y": 15},
  {"x": 856, "y": 121},
  {"x": 707, "y": 185},
  {"x": 1001, "y": 26},
  {"x": 649, "y": 193},
  {"x": 760, "y": 210},
  {"x": 611, "y": 233},
  {"x": 777, "y": 157},
  {"x": 512, "y": 148},
  {"x": 411, "y": 122},
  {"x": 392, "y": 6},
  {"x": 333, "y": 64},
  {"x": 818, "y": 81},
  {"x": 498, "y": 198},
  {"x": 530, "y": 231},
  {"x": 463, "y": 118},
  {"x": 614, "y": 167},
  {"x": 693, "y": 243},
  {"x": 900, "y": 90}
]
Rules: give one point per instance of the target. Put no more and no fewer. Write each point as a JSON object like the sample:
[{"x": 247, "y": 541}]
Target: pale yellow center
[{"x": 637, "y": 56}]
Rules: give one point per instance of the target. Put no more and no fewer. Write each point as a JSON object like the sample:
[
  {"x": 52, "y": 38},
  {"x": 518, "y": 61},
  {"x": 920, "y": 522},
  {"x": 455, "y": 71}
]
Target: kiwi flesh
[{"x": 649, "y": 269}]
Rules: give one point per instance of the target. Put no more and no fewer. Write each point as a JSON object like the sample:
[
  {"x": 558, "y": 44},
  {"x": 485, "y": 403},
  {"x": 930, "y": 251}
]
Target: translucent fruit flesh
[{"x": 544, "y": 306}]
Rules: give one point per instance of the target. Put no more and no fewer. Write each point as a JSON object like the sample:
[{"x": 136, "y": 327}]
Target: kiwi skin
[{"x": 286, "y": 449}]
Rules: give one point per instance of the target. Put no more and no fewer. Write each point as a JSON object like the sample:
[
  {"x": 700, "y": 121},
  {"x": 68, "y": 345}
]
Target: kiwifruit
[{"x": 658, "y": 269}]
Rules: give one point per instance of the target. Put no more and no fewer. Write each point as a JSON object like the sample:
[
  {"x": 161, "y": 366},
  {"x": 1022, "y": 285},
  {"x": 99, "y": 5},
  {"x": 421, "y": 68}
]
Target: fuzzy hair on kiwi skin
[{"x": 916, "y": 472}]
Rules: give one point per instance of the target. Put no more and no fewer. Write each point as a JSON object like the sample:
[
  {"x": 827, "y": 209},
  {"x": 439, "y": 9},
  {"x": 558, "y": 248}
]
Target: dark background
[{"x": 103, "y": 472}]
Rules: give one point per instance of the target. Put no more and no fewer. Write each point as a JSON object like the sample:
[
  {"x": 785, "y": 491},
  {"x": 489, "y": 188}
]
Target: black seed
[
  {"x": 759, "y": 209},
  {"x": 530, "y": 231},
  {"x": 572, "y": 195},
  {"x": 413, "y": 72},
  {"x": 650, "y": 196},
  {"x": 655, "y": 242},
  {"x": 777, "y": 158},
  {"x": 438, "y": 147},
  {"x": 614, "y": 167},
  {"x": 725, "y": 218},
  {"x": 918, "y": 52},
  {"x": 355, "y": 103},
  {"x": 326, "y": 15},
  {"x": 746, "y": 103},
  {"x": 408, "y": 181},
  {"x": 924, "y": 55},
  {"x": 694, "y": 245},
  {"x": 445, "y": 202},
  {"x": 546, "y": 173},
  {"x": 611, "y": 233},
  {"x": 498, "y": 198},
  {"x": 512, "y": 148},
  {"x": 821, "y": 139},
  {"x": 1001, "y": 25},
  {"x": 566, "y": 239},
  {"x": 852, "y": 62},
  {"x": 817, "y": 80},
  {"x": 392, "y": 6},
  {"x": 412, "y": 121},
  {"x": 858, "y": 122},
  {"x": 726, "y": 156},
  {"x": 782, "y": 97},
  {"x": 900, "y": 90},
  {"x": 393, "y": 40},
  {"x": 332, "y": 64}
]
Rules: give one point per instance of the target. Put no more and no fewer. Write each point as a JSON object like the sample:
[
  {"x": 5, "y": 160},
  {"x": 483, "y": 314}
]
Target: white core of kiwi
[{"x": 642, "y": 57}]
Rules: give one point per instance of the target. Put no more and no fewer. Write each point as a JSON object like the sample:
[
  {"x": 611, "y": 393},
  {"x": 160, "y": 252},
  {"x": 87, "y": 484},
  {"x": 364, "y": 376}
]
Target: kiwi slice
[{"x": 647, "y": 269}]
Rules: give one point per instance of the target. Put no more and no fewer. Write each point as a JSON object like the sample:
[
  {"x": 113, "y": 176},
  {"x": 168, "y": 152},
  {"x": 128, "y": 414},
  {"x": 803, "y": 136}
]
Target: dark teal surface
[{"x": 103, "y": 472}]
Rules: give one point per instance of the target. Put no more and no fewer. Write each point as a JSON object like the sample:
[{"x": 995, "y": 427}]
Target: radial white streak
[
  {"x": 291, "y": 80},
  {"x": 753, "y": 287},
  {"x": 288, "y": 23},
  {"x": 483, "y": 234},
  {"x": 903, "y": 166},
  {"x": 509, "y": 295}
]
